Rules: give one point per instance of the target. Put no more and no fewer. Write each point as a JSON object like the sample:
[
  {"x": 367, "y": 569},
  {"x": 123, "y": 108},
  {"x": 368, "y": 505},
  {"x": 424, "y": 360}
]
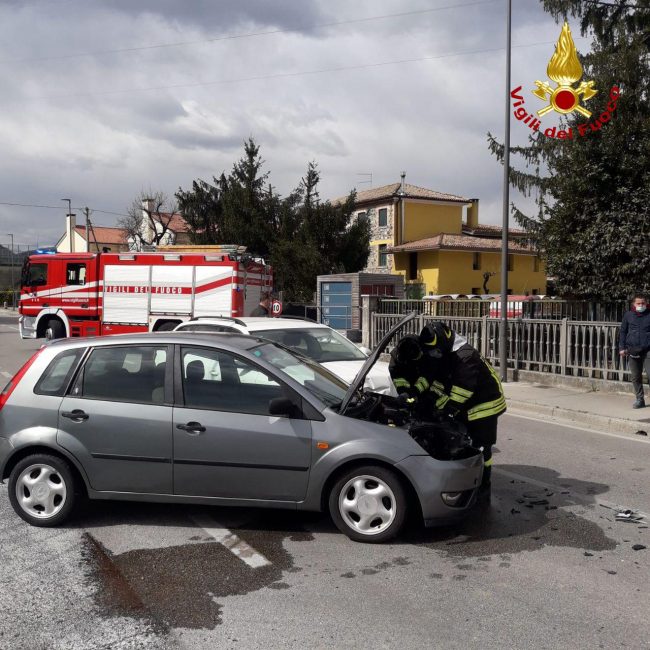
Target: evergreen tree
[{"x": 593, "y": 192}]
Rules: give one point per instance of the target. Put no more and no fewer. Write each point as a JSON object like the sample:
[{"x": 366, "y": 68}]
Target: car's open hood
[{"x": 359, "y": 380}]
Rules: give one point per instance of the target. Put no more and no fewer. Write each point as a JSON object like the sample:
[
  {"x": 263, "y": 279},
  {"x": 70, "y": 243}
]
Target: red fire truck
[{"x": 87, "y": 294}]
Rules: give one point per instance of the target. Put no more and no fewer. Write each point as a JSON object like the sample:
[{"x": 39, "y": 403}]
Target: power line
[
  {"x": 58, "y": 207},
  {"x": 284, "y": 75},
  {"x": 232, "y": 37}
]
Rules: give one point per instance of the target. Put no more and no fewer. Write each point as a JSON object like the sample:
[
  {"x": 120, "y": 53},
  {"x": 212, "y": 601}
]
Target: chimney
[
  {"x": 472, "y": 214},
  {"x": 70, "y": 225},
  {"x": 402, "y": 188}
]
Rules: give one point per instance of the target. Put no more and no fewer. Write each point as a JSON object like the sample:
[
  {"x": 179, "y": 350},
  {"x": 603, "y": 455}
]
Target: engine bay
[{"x": 442, "y": 436}]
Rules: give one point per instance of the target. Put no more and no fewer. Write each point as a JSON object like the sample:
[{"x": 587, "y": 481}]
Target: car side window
[
  {"x": 58, "y": 374},
  {"x": 124, "y": 374},
  {"x": 220, "y": 381}
]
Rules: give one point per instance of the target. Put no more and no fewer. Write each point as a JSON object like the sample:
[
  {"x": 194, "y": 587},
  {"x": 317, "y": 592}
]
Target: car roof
[
  {"x": 228, "y": 340},
  {"x": 255, "y": 323}
]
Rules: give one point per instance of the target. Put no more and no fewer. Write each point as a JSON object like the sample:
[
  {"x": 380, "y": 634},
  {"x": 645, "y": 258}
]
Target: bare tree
[{"x": 148, "y": 220}]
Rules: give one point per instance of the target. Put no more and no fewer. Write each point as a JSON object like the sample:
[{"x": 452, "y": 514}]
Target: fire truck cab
[{"x": 89, "y": 294}]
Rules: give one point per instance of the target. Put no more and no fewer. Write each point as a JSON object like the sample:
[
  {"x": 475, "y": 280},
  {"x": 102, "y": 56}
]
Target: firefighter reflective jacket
[
  {"x": 472, "y": 385},
  {"x": 413, "y": 378}
]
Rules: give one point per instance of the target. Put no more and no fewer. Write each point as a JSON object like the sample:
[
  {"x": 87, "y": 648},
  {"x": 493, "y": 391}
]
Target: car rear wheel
[
  {"x": 368, "y": 504},
  {"x": 42, "y": 490}
]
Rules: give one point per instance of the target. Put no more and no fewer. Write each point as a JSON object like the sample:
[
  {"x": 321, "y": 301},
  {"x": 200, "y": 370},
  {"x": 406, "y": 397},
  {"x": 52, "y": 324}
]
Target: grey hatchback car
[{"x": 218, "y": 419}]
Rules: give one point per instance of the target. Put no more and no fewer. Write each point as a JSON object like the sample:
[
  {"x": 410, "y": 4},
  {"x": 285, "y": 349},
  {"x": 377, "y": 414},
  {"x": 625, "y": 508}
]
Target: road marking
[
  {"x": 6, "y": 374},
  {"x": 578, "y": 497},
  {"x": 234, "y": 544},
  {"x": 561, "y": 423}
]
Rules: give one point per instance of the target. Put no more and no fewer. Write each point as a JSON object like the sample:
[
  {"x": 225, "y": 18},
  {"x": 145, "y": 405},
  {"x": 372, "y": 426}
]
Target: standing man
[
  {"x": 263, "y": 309},
  {"x": 468, "y": 385},
  {"x": 634, "y": 342}
]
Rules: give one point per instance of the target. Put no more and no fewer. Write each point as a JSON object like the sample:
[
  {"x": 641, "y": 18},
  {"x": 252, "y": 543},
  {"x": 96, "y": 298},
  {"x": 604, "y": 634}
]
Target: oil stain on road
[
  {"x": 180, "y": 586},
  {"x": 522, "y": 517}
]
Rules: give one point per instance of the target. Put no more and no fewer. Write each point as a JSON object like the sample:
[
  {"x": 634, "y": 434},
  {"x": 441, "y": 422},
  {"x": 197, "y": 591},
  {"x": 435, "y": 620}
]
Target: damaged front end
[{"x": 441, "y": 436}]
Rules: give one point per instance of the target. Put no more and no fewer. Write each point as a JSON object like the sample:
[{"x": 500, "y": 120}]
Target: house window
[
  {"x": 413, "y": 266},
  {"x": 383, "y": 217},
  {"x": 511, "y": 262},
  {"x": 535, "y": 264},
  {"x": 476, "y": 291},
  {"x": 509, "y": 292},
  {"x": 535, "y": 292},
  {"x": 476, "y": 261},
  {"x": 361, "y": 215},
  {"x": 383, "y": 255}
]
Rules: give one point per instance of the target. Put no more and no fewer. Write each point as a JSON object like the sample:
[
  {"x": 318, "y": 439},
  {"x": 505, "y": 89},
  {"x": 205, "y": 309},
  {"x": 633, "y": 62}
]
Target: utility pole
[
  {"x": 87, "y": 213},
  {"x": 13, "y": 288},
  {"x": 503, "y": 332}
]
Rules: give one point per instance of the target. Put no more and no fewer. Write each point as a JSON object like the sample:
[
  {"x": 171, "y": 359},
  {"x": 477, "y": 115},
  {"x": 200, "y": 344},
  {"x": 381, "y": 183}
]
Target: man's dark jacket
[
  {"x": 260, "y": 310},
  {"x": 635, "y": 332}
]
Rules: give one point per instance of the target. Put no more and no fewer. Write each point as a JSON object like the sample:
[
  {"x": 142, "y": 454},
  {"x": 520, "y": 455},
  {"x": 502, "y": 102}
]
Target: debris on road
[
  {"x": 628, "y": 515},
  {"x": 638, "y": 547}
]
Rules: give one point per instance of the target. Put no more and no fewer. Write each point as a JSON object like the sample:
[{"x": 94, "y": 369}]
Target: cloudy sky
[{"x": 104, "y": 98}]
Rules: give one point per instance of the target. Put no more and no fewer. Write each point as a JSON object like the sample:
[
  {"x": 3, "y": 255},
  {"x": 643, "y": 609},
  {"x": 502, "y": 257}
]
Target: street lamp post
[
  {"x": 13, "y": 288},
  {"x": 503, "y": 332}
]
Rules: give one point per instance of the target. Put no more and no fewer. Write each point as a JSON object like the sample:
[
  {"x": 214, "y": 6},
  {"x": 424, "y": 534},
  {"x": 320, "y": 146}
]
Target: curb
[{"x": 602, "y": 422}]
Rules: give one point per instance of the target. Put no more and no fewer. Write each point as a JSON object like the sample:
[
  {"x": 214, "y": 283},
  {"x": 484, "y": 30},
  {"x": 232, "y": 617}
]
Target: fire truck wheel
[
  {"x": 54, "y": 330},
  {"x": 168, "y": 326}
]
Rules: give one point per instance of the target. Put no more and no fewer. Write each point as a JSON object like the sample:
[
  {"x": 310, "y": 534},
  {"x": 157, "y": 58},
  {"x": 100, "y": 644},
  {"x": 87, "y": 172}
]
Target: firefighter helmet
[
  {"x": 408, "y": 349},
  {"x": 437, "y": 337}
]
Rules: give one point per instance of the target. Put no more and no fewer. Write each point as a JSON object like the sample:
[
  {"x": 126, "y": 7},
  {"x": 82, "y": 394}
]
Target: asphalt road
[{"x": 546, "y": 566}]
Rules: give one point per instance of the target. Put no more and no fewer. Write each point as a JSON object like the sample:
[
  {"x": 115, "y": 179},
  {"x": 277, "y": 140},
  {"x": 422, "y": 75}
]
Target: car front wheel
[
  {"x": 368, "y": 504},
  {"x": 42, "y": 490}
]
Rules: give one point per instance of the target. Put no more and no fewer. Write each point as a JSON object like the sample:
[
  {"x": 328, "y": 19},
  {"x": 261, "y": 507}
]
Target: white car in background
[{"x": 316, "y": 341}]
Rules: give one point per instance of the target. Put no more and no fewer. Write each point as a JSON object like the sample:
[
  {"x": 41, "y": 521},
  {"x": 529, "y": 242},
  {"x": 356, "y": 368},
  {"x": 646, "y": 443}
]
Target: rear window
[
  {"x": 58, "y": 374},
  {"x": 124, "y": 374}
]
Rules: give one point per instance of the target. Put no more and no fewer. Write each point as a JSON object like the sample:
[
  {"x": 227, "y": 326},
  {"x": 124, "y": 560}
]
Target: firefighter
[
  {"x": 406, "y": 369},
  {"x": 467, "y": 384}
]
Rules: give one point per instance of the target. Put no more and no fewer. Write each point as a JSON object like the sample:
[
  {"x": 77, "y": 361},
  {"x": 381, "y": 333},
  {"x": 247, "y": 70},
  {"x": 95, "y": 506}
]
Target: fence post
[
  {"x": 564, "y": 345},
  {"x": 484, "y": 336},
  {"x": 369, "y": 305}
]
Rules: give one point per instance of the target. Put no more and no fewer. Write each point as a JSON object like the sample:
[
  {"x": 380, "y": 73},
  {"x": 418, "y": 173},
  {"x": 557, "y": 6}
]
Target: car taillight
[{"x": 15, "y": 380}]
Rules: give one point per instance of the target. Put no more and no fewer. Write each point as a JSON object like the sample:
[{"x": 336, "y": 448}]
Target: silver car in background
[{"x": 219, "y": 419}]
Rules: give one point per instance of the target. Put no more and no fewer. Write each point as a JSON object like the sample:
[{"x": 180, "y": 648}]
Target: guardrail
[{"x": 562, "y": 347}]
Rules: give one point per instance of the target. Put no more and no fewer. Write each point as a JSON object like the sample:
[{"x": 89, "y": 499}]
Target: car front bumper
[
  {"x": 431, "y": 478},
  {"x": 27, "y": 326}
]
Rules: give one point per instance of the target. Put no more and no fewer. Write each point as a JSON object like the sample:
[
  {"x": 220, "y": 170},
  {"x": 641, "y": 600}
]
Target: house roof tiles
[
  {"x": 411, "y": 192},
  {"x": 104, "y": 234},
  {"x": 446, "y": 241}
]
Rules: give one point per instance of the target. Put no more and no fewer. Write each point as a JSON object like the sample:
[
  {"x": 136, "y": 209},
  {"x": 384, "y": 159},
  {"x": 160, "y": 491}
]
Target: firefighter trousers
[{"x": 483, "y": 433}]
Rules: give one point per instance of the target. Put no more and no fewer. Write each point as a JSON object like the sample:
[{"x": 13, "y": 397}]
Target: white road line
[
  {"x": 577, "y": 497},
  {"x": 6, "y": 374},
  {"x": 236, "y": 546},
  {"x": 11, "y": 327},
  {"x": 561, "y": 423}
]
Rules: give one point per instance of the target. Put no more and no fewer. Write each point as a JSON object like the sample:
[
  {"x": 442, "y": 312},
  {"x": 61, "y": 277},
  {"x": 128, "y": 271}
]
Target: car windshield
[
  {"x": 317, "y": 380},
  {"x": 321, "y": 344}
]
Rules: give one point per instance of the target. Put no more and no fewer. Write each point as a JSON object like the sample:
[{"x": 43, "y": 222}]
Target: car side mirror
[{"x": 284, "y": 407}]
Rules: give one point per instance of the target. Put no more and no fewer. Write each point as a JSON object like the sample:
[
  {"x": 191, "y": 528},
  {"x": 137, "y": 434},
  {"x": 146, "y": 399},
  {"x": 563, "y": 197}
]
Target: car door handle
[
  {"x": 191, "y": 427},
  {"x": 76, "y": 416}
]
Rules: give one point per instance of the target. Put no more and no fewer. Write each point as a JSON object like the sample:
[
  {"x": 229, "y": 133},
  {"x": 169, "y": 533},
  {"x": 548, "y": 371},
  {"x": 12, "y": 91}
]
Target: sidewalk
[{"x": 611, "y": 412}]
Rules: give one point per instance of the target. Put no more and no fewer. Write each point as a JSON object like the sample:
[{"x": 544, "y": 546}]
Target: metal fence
[
  {"x": 547, "y": 308},
  {"x": 563, "y": 347}
]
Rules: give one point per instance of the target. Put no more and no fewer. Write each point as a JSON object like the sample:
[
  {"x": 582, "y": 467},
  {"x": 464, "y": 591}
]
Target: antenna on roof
[{"x": 369, "y": 180}]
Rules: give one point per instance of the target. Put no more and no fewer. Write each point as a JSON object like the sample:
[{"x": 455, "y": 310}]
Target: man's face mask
[{"x": 640, "y": 308}]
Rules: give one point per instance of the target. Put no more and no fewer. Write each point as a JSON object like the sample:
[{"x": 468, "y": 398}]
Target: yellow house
[{"x": 435, "y": 240}]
